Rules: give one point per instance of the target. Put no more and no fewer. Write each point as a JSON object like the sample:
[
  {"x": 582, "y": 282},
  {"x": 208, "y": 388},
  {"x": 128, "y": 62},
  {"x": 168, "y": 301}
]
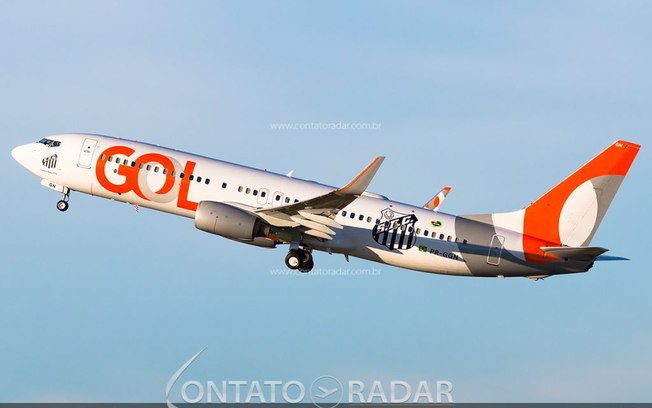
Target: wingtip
[{"x": 359, "y": 184}]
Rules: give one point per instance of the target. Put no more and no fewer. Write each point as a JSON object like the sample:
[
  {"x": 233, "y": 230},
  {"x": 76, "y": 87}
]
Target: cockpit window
[{"x": 50, "y": 143}]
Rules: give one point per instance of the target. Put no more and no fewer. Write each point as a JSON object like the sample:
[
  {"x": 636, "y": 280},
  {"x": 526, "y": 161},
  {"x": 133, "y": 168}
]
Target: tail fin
[{"x": 571, "y": 212}]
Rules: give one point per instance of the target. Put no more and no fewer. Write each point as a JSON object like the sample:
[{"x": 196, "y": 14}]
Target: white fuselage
[{"x": 278, "y": 209}]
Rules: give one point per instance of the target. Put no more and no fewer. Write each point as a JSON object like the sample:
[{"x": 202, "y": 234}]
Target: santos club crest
[
  {"x": 50, "y": 162},
  {"x": 395, "y": 230}
]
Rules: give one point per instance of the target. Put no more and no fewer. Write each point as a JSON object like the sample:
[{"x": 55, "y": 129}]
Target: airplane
[
  {"x": 326, "y": 392},
  {"x": 551, "y": 236}
]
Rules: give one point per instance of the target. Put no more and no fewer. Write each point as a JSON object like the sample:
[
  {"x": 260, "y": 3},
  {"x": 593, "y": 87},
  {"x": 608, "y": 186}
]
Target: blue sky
[{"x": 501, "y": 100}]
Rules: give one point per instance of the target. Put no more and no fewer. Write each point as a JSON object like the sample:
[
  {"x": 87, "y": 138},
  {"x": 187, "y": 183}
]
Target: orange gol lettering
[{"x": 130, "y": 173}]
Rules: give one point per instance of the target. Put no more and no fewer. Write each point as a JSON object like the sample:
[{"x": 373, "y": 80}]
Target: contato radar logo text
[{"x": 325, "y": 391}]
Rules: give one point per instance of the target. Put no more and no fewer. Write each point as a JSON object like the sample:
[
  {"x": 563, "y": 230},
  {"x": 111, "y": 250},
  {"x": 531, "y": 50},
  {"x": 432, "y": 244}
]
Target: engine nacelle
[{"x": 233, "y": 223}]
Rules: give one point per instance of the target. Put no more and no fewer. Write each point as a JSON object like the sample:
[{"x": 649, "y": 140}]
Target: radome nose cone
[
  {"x": 14, "y": 153},
  {"x": 20, "y": 154}
]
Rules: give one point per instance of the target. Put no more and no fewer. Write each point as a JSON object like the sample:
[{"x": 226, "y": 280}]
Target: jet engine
[{"x": 233, "y": 223}]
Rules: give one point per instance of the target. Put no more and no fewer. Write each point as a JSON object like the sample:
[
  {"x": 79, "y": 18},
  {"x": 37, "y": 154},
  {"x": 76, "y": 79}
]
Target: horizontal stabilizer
[
  {"x": 611, "y": 258},
  {"x": 574, "y": 253}
]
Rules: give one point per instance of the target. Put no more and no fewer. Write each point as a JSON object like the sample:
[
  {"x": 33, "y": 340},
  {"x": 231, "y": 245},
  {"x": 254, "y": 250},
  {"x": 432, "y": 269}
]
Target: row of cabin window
[
  {"x": 360, "y": 217},
  {"x": 411, "y": 229},
  {"x": 262, "y": 194},
  {"x": 149, "y": 167}
]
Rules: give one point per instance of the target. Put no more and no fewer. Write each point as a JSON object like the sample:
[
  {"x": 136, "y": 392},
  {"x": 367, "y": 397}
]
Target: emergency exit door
[{"x": 86, "y": 153}]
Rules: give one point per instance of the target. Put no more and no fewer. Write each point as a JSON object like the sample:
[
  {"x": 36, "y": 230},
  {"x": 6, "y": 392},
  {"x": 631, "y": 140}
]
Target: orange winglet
[{"x": 360, "y": 183}]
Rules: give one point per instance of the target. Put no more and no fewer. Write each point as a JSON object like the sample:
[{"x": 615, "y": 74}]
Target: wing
[
  {"x": 586, "y": 254},
  {"x": 437, "y": 200},
  {"x": 315, "y": 216}
]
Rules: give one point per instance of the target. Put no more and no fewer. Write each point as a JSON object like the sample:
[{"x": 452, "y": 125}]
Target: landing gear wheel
[
  {"x": 294, "y": 258},
  {"x": 62, "y": 205},
  {"x": 307, "y": 264}
]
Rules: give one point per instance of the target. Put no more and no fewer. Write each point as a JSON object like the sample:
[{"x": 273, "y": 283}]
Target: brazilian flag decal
[
  {"x": 435, "y": 223},
  {"x": 423, "y": 248}
]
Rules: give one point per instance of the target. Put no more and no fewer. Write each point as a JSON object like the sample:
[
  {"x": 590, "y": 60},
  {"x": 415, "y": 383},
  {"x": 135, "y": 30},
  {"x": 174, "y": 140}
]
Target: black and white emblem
[
  {"x": 395, "y": 230},
  {"x": 50, "y": 162}
]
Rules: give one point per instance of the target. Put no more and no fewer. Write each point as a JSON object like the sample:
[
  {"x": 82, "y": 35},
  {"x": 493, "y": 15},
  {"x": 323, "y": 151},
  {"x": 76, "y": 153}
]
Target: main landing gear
[
  {"x": 300, "y": 259},
  {"x": 62, "y": 205}
]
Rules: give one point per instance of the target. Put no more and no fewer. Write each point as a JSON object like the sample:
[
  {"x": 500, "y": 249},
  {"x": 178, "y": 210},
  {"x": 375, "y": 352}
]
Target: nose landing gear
[
  {"x": 300, "y": 259},
  {"x": 62, "y": 205}
]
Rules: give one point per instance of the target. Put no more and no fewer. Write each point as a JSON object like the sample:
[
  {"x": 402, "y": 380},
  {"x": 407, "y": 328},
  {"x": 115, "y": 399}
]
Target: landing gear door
[
  {"x": 495, "y": 250},
  {"x": 86, "y": 153}
]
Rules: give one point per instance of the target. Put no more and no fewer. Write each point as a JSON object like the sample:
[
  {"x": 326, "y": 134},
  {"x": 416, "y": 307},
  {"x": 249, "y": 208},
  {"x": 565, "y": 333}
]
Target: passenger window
[
  {"x": 149, "y": 167},
  {"x": 181, "y": 175},
  {"x": 464, "y": 242},
  {"x": 240, "y": 189},
  {"x": 403, "y": 227},
  {"x": 190, "y": 177},
  {"x": 425, "y": 232},
  {"x": 287, "y": 200},
  {"x": 208, "y": 181},
  {"x": 110, "y": 158},
  {"x": 368, "y": 219},
  {"x": 434, "y": 234},
  {"x": 263, "y": 194},
  {"x": 441, "y": 236},
  {"x": 418, "y": 231},
  {"x": 156, "y": 170},
  {"x": 103, "y": 156},
  {"x": 223, "y": 185},
  {"x": 361, "y": 217},
  {"x": 449, "y": 238},
  {"x": 255, "y": 192},
  {"x": 277, "y": 198},
  {"x": 343, "y": 213},
  {"x": 248, "y": 190},
  {"x": 165, "y": 170},
  {"x": 377, "y": 221},
  {"x": 133, "y": 164},
  {"x": 125, "y": 162},
  {"x": 199, "y": 179},
  {"x": 173, "y": 173},
  {"x": 352, "y": 215},
  {"x": 140, "y": 166}
]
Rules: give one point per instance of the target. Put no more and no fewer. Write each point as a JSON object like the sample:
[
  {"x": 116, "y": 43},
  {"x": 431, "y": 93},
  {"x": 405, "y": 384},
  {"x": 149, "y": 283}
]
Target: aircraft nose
[{"x": 21, "y": 153}]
